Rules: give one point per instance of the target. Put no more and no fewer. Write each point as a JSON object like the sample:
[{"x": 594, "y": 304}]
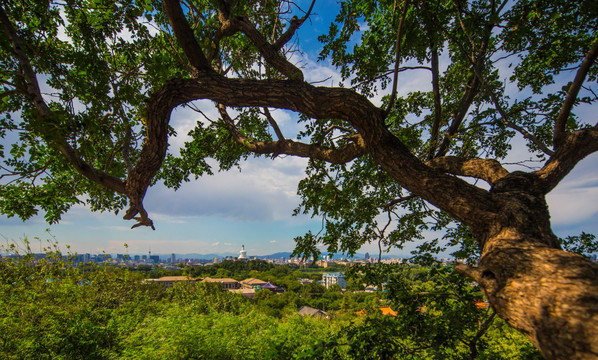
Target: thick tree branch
[
  {"x": 226, "y": 29},
  {"x": 560, "y": 123},
  {"x": 318, "y": 103},
  {"x": 486, "y": 169},
  {"x": 159, "y": 107},
  {"x": 184, "y": 35},
  {"x": 576, "y": 146},
  {"x": 367, "y": 119},
  {"x": 268, "y": 51},
  {"x": 232, "y": 24}
]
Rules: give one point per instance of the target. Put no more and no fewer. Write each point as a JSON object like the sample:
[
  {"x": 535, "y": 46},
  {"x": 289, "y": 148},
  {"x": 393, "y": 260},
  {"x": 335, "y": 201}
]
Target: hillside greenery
[{"x": 50, "y": 309}]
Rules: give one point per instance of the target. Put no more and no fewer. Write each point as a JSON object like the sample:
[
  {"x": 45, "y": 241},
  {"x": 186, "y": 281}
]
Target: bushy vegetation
[{"x": 50, "y": 309}]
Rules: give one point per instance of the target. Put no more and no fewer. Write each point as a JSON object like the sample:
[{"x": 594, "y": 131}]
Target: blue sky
[{"x": 253, "y": 207}]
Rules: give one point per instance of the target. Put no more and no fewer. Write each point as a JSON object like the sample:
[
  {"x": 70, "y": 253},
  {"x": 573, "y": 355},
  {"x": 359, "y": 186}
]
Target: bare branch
[
  {"x": 560, "y": 123},
  {"x": 576, "y": 146},
  {"x": 526, "y": 134},
  {"x": 33, "y": 90},
  {"x": 388, "y": 72},
  {"x": 478, "y": 74},
  {"x": 338, "y": 127},
  {"x": 381, "y": 235},
  {"x": 481, "y": 331},
  {"x": 9, "y": 93}
]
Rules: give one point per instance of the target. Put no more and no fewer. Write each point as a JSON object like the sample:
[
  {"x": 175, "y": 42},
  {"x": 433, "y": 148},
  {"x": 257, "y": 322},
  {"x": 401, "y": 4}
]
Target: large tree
[{"x": 89, "y": 87}]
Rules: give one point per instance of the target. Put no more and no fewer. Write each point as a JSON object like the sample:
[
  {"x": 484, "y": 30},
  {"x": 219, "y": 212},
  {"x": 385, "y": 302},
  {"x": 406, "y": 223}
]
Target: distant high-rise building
[
  {"x": 172, "y": 258},
  {"x": 137, "y": 257},
  {"x": 154, "y": 258},
  {"x": 215, "y": 261},
  {"x": 367, "y": 255}
]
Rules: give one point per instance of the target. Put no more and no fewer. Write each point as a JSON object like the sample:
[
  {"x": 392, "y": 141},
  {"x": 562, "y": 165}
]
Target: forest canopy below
[{"x": 51, "y": 309}]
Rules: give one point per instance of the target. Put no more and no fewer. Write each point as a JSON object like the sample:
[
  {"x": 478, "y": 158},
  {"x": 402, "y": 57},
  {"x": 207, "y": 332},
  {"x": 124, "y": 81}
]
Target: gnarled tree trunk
[{"x": 548, "y": 294}]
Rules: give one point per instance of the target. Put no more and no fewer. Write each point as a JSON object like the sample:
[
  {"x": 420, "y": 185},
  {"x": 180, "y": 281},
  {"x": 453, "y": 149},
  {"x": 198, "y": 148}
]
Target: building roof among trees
[
  {"x": 173, "y": 278},
  {"x": 306, "y": 310},
  {"x": 222, "y": 280},
  {"x": 253, "y": 282}
]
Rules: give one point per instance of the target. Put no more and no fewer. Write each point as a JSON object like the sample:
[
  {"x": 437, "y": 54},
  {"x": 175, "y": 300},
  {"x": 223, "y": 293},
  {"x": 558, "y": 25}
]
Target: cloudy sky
[{"x": 219, "y": 213}]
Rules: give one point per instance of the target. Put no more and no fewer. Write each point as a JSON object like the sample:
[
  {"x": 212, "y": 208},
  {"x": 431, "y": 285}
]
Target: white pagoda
[{"x": 243, "y": 253}]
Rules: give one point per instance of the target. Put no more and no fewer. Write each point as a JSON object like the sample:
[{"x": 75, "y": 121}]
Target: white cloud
[
  {"x": 573, "y": 202},
  {"x": 317, "y": 73},
  {"x": 120, "y": 228},
  {"x": 264, "y": 190},
  {"x": 170, "y": 219}
]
